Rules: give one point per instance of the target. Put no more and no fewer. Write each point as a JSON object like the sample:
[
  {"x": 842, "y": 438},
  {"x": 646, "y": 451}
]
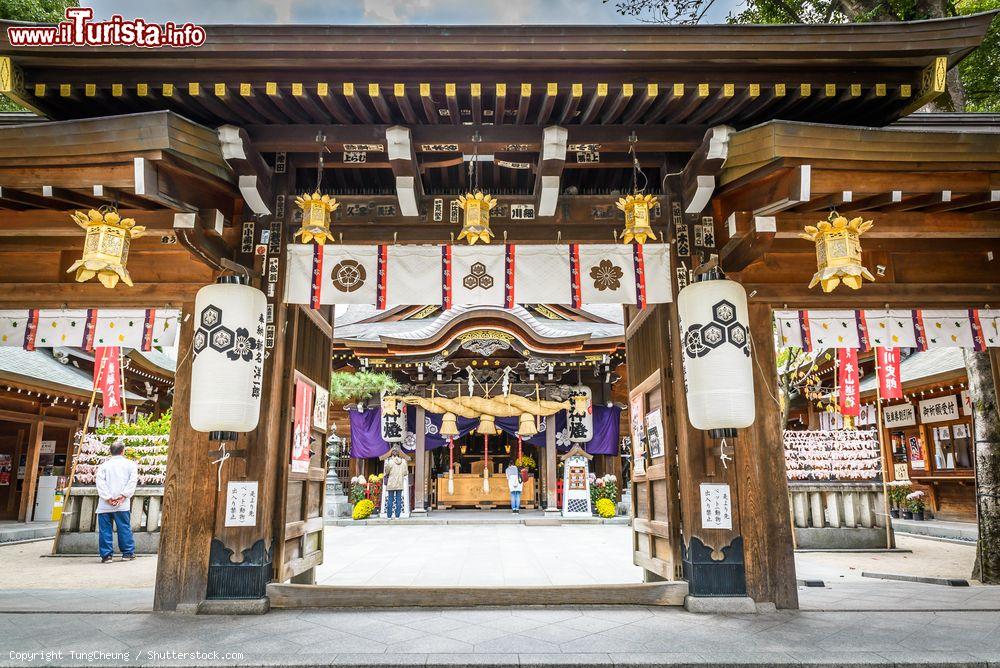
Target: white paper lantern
[
  {"x": 228, "y": 366},
  {"x": 717, "y": 364},
  {"x": 581, "y": 414}
]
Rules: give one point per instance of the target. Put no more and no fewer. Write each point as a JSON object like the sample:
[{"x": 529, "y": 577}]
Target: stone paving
[{"x": 608, "y": 636}]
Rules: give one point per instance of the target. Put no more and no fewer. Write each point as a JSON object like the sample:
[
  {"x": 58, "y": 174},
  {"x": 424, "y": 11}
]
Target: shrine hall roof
[
  {"x": 39, "y": 368},
  {"x": 353, "y": 324}
]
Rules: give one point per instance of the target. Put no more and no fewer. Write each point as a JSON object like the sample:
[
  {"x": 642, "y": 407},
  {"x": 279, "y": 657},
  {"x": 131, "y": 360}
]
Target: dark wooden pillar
[
  {"x": 27, "y": 503},
  {"x": 763, "y": 486},
  {"x": 188, "y": 495}
]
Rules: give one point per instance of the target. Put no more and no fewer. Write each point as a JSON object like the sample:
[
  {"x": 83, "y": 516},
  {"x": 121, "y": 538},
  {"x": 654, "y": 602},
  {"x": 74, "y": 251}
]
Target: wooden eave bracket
[
  {"x": 698, "y": 179},
  {"x": 555, "y": 141},
  {"x": 254, "y": 175},
  {"x": 12, "y": 85},
  {"x": 750, "y": 237},
  {"x": 403, "y": 158},
  {"x": 932, "y": 84}
]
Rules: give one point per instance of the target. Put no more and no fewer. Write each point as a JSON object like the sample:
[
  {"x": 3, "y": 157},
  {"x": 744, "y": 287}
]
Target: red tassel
[{"x": 518, "y": 447}]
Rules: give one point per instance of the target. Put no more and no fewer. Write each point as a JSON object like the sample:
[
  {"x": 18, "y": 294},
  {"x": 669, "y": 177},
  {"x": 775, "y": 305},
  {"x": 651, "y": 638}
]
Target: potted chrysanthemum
[
  {"x": 898, "y": 489},
  {"x": 915, "y": 504}
]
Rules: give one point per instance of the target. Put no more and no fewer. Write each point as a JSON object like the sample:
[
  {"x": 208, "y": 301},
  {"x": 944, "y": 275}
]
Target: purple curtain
[
  {"x": 607, "y": 430},
  {"x": 366, "y": 434}
]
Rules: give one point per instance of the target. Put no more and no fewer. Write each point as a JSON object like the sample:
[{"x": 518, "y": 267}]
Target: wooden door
[
  {"x": 299, "y": 547},
  {"x": 655, "y": 498}
]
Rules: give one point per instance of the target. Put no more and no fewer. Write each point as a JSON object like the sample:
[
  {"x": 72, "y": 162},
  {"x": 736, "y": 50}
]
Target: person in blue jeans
[
  {"x": 116, "y": 480},
  {"x": 515, "y": 485},
  {"x": 394, "y": 481}
]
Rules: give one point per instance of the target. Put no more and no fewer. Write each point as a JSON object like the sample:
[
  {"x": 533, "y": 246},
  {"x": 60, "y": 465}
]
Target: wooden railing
[
  {"x": 837, "y": 515},
  {"x": 79, "y": 520}
]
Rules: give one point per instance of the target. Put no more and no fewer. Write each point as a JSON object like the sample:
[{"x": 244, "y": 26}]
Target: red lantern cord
[
  {"x": 486, "y": 451},
  {"x": 451, "y": 454},
  {"x": 518, "y": 448}
]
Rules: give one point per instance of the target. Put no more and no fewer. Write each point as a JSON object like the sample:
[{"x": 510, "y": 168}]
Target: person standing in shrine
[
  {"x": 395, "y": 478},
  {"x": 515, "y": 486},
  {"x": 115, "y": 480}
]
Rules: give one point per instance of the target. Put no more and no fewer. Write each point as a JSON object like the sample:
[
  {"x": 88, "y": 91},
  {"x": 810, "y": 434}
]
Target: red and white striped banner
[
  {"x": 88, "y": 328},
  {"x": 391, "y": 275},
  {"x": 922, "y": 329}
]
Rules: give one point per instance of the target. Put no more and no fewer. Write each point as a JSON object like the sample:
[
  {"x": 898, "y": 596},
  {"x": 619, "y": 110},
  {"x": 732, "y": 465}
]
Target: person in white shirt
[
  {"x": 116, "y": 480},
  {"x": 515, "y": 485}
]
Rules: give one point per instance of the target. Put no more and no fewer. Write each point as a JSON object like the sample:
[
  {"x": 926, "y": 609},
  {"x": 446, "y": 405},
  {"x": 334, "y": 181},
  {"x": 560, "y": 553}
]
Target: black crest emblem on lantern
[
  {"x": 211, "y": 333},
  {"x": 700, "y": 340}
]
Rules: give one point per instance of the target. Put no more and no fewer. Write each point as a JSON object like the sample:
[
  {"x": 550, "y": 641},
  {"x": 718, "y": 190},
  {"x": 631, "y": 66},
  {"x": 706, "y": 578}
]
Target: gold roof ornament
[
  {"x": 316, "y": 210},
  {"x": 838, "y": 251},
  {"x": 105, "y": 248},
  {"x": 476, "y": 226},
  {"x": 637, "y": 217}
]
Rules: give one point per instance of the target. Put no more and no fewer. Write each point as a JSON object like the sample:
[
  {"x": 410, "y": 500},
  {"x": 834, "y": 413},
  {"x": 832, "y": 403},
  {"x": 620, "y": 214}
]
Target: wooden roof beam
[
  {"x": 257, "y": 105},
  {"x": 692, "y": 103},
  {"x": 500, "y": 104},
  {"x": 572, "y": 103},
  {"x": 192, "y": 96},
  {"x": 27, "y": 199},
  {"x": 920, "y": 201},
  {"x": 871, "y": 201},
  {"x": 698, "y": 180},
  {"x": 594, "y": 105},
  {"x": 550, "y": 167},
  {"x": 828, "y": 202},
  {"x": 379, "y": 102},
  {"x": 548, "y": 102},
  {"x": 979, "y": 201},
  {"x": 283, "y": 104},
  {"x": 332, "y": 104},
  {"x": 72, "y": 197},
  {"x": 523, "y": 104},
  {"x": 59, "y": 223},
  {"x": 618, "y": 104},
  {"x": 741, "y": 101},
  {"x": 201, "y": 234},
  {"x": 243, "y": 111},
  {"x": 639, "y": 108},
  {"x": 301, "y": 97},
  {"x": 904, "y": 225},
  {"x": 427, "y": 102},
  {"x": 665, "y": 104},
  {"x": 403, "y": 103},
  {"x": 403, "y": 157},
  {"x": 750, "y": 237},
  {"x": 356, "y": 104},
  {"x": 451, "y": 101},
  {"x": 708, "y": 112},
  {"x": 476, "y": 97},
  {"x": 255, "y": 175}
]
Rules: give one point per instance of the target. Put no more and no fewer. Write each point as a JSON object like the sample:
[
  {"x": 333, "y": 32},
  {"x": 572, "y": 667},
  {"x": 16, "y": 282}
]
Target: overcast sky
[{"x": 379, "y": 11}]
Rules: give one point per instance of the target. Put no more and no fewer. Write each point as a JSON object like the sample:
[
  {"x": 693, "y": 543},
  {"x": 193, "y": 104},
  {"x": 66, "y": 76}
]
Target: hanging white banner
[{"x": 498, "y": 275}]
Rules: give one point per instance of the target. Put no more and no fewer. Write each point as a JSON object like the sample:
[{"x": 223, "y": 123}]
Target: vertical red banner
[
  {"x": 889, "y": 383},
  {"x": 107, "y": 378},
  {"x": 848, "y": 378},
  {"x": 302, "y": 433}
]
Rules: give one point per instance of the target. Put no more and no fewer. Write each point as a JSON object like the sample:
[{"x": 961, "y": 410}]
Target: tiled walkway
[
  {"x": 483, "y": 555},
  {"x": 516, "y": 637}
]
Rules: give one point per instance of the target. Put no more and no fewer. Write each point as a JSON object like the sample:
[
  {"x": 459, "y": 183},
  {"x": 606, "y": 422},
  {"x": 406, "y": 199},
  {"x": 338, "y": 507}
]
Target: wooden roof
[
  {"x": 934, "y": 197},
  {"x": 639, "y": 74},
  {"x": 163, "y": 170}
]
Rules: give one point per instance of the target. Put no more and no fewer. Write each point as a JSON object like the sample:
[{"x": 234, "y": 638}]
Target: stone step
[{"x": 330, "y": 596}]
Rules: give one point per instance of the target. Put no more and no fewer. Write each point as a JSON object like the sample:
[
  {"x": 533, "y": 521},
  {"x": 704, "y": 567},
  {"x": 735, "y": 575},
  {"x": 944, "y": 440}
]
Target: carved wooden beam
[
  {"x": 699, "y": 178},
  {"x": 403, "y": 158},
  {"x": 550, "y": 167},
  {"x": 255, "y": 176}
]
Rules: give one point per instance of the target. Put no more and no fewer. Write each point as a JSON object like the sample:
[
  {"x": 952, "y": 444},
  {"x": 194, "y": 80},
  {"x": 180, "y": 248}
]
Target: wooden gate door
[
  {"x": 655, "y": 498},
  {"x": 299, "y": 548}
]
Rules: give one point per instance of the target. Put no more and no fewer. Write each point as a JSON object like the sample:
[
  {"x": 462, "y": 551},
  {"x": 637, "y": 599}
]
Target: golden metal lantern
[
  {"x": 105, "y": 248},
  {"x": 476, "y": 208},
  {"x": 526, "y": 427},
  {"x": 487, "y": 425},
  {"x": 637, "y": 217},
  {"x": 449, "y": 425},
  {"x": 838, "y": 252},
  {"x": 316, "y": 210}
]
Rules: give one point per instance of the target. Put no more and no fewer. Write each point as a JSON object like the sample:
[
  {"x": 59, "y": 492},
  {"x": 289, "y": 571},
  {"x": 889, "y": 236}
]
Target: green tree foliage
[
  {"x": 974, "y": 86},
  {"x": 37, "y": 11}
]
